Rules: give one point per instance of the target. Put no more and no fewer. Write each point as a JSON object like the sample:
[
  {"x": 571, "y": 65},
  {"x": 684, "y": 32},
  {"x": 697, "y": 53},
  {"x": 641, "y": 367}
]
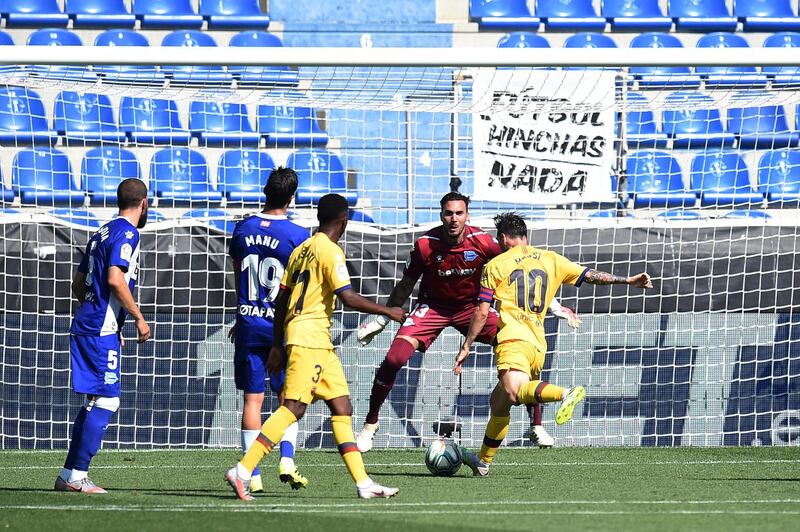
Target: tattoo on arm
[{"x": 598, "y": 277}]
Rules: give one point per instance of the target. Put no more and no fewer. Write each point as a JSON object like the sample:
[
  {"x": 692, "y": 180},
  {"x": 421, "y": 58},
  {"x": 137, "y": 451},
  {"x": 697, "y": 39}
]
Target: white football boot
[
  {"x": 376, "y": 491},
  {"x": 365, "y": 437},
  {"x": 540, "y": 437}
]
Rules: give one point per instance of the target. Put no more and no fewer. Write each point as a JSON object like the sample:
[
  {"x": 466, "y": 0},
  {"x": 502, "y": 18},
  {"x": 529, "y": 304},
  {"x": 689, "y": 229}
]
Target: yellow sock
[
  {"x": 496, "y": 430},
  {"x": 539, "y": 392},
  {"x": 271, "y": 431},
  {"x": 343, "y": 435}
]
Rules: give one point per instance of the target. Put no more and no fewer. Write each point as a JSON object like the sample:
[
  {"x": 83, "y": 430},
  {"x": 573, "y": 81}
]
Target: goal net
[{"x": 692, "y": 175}]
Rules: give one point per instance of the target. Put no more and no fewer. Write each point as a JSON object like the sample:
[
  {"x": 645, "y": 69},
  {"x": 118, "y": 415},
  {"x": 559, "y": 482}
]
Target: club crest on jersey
[
  {"x": 110, "y": 378},
  {"x": 470, "y": 255},
  {"x": 439, "y": 258},
  {"x": 128, "y": 234}
]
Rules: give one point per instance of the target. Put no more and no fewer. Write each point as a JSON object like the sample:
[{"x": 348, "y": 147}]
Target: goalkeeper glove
[
  {"x": 371, "y": 329},
  {"x": 565, "y": 313}
]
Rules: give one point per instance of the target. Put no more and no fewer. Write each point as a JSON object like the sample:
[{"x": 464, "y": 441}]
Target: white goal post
[{"x": 710, "y": 357}]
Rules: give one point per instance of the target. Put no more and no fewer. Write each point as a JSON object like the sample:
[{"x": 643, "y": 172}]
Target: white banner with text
[{"x": 544, "y": 137}]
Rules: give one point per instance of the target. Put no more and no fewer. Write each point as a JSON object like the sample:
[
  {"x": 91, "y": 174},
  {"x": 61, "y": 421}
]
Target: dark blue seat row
[
  {"x": 245, "y": 75},
  {"x": 230, "y": 14},
  {"x": 693, "y": 121},
  {"x": 681, "y": 76},
  {"x": 88, "y": 117},
  {"x": 641, "y": 15},
  {"x": 43, "y": 176},
  {"x": 718, "y": 178}
]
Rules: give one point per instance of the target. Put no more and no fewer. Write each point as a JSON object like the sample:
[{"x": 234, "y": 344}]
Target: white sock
[
  {"x": 370, "y": 427},
  {"x": 565, "y": 393},
  {"x": 365, "y": 483},
  {"x": 65, "y": 474},
  {"x": 248, "y": 437},
  {"x": 242, "y": 471},
  {"x": 287, "y": 463},
  {"x": 76, "y": 475}
]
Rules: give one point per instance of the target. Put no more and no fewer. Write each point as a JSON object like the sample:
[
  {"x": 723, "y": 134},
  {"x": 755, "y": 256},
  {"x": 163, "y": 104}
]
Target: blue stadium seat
[
  {"x": 99, "y": 14},
  {"x": 43, "y": 176},
  {"x": 691, "y": 127},
  {"x": 569, "y": 15},
  {"x": 319, "y": 172},
  {"x": 167, "y": 14},
  {"x": 589, "y": 40},
  {"x": 704, "y": 15},
  {"x": 639, "y": 15},
  {"x": 5, "y": 39},
  {"x": 358, "y": 216},
  {"x": 522, "y": 39},
  {"x": 6, "y": 194},
  {"x": 155, "y": 216},
  {"x": 86, "y": 117},
  {"x": 233, "y": 14},
  {"x": 22, "y": 118},
  {"x": 103, "y": 169},
  {"x": 779, "y": 177},
  {"x": 77, "y": 217},
  {"x": 242, "y": 174},
  {"x": 654, "y": 180},
  {"x": 727, "y": 77},
  {"x": 747, "y": 213},
  {"x": 787, "y": 75},
  {"x": 721, "y": 178},
  {"x": 216, "y": 218},
  {"x": 126, "y": 73},
  {"x": 152, "y": 121},
  {"x": 194, "y": 74},
  {"x": 222, "y": 124},
  {"x": 290, "y": 126},
  {"x": 641, "y": 130},
  {"x": 33, "y": 13},
  {"x": 502, "y": 14},
  {"x": 662, "y": 76},
  {"x": 762, "y": 127},
  {"x": 58, "y": 37},
  {"x": 766, "y": 15},
  {"x": 180, "y": 176},
  {"x": 680, "y": 214},
  {"x": 261, "y": 75}
]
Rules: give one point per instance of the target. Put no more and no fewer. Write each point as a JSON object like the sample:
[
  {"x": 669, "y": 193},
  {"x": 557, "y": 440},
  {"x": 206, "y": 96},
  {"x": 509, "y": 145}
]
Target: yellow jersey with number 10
[
  {"x": 523, "y": 281},
  {"x": 315, "y": 274}
]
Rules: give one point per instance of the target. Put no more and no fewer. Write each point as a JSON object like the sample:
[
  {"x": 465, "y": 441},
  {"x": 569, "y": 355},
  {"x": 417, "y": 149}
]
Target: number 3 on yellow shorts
[{"x": 313, "y": 374}]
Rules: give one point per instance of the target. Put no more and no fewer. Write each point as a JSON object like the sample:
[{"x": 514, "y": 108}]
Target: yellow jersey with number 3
[
  {"x": 315, "y": 274},
  {"x": 523, "y": 281}
]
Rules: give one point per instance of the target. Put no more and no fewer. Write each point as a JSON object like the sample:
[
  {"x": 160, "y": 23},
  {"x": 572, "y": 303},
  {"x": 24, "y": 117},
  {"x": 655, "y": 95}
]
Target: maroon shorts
[{"x": 426, "y": 322}]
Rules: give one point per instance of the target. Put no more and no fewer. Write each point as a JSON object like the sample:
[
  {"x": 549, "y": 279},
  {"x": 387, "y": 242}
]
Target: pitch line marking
[
  {"x": 343, "y": 506},
  {"x": 383, "y": 509},
  {"x": 416, "y": 464}
]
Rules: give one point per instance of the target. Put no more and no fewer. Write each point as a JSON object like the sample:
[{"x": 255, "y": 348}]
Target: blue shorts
[
  {"x": 95, "y": 364},
  {"x": 250, "y": 371}
]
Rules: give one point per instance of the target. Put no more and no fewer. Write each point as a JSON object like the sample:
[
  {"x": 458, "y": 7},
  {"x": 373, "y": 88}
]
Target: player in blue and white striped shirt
[
  {"x": 260, "y": 249},
  {"x": 104, "y": 286}
]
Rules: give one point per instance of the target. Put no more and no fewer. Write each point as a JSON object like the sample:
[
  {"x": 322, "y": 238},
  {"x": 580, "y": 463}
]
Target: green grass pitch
[{"x": 576, "y": 489}]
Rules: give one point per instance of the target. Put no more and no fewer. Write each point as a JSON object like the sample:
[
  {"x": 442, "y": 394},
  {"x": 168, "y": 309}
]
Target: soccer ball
[{"x": 443, "y": 458}]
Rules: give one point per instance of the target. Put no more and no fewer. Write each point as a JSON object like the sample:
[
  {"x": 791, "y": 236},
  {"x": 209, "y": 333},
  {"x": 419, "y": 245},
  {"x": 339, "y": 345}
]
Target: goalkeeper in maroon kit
[{"x": 450, "y": 259}]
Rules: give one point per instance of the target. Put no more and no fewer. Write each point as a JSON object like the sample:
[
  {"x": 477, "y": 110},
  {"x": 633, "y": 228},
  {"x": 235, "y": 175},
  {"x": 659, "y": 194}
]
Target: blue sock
[
  {"x": 287, "y": 449},
  {"x": 94, "y": 427},
  {"x": 75, "y": 442}
]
